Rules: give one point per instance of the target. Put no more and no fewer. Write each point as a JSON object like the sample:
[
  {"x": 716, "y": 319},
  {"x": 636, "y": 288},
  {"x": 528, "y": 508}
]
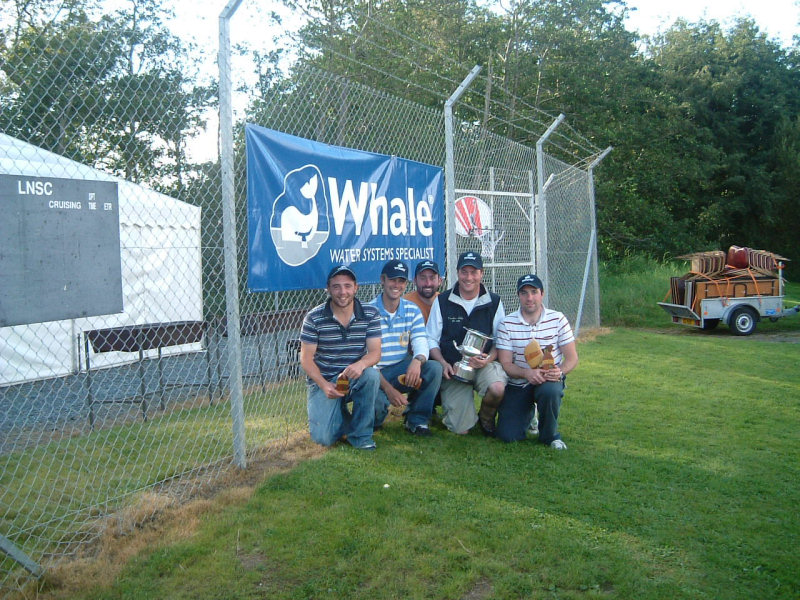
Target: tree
[
  {"x": 744, "y": 91},
  {"x": 56, "y": 76},
  {"x": 115, "y": 92}
]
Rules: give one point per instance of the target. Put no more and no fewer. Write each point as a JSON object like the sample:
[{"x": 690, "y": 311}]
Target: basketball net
[{"x": 489, "y": 238}]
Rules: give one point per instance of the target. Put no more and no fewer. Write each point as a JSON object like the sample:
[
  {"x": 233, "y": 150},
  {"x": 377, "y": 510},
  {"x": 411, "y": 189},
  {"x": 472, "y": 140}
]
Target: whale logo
[{"x": 299, "y": 225}]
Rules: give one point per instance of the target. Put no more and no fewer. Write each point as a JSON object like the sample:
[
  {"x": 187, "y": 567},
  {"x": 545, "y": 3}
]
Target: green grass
[
  {"x": 680, "y": 482},
  {"x": 97, "y": 472}
]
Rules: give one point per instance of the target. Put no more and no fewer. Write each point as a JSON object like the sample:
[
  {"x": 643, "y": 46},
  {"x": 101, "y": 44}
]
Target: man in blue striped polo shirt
[
  {"x": 533, "y": 387},
  {"x": 404, "y": 354},
  {"x": 341, "y": 338}
]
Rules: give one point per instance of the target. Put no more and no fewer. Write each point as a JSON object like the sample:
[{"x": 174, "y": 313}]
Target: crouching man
[
  {"x": 341, "y": 340},
  {"x": 403, "y": 372},
  {"x": 541, "y": 387}
]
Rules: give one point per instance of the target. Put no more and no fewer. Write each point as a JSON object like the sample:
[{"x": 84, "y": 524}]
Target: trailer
[{"x": 729, "y": 289}]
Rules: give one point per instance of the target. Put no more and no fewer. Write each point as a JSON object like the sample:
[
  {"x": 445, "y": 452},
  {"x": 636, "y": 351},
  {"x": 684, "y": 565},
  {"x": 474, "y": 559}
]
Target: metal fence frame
[{"x": 247, "y": 363}]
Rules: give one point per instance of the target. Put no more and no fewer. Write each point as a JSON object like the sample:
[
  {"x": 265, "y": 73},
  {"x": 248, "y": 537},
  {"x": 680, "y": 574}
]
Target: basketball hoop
[
  {"x": 489, "y": 238},
  {"x": 473, "y": 216}
]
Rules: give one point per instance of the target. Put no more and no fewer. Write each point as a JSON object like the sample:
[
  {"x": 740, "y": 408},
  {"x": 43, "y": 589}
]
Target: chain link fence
[{"x": 101, "y": 412}]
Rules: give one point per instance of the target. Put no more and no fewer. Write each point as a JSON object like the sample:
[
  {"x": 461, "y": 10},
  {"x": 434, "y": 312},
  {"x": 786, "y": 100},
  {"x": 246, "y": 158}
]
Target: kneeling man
[
  {"x": 541, "y": 387},
  {"x": 404, "y": 366},
  {"x": 341, "y": 339}
]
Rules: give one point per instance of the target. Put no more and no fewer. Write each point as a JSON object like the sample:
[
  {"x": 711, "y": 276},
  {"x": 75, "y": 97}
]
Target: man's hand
[
  {"x": 479, "y": 361},
  {"x": 413, "y": 373},
  {"x": 395, "y": 397},
  {"x": 535, "y": 376},
  {"x": 553, "y": 374},
  {"x": 354, "y": 370},
  {"x": 447, "y": 369},
  {"x": 331, "y": 391}
]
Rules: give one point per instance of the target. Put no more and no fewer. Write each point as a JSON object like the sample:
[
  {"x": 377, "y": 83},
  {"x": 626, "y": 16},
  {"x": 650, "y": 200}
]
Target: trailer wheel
[
  {"x": 709, "y": 324},
  {"x": 743, "y": 321}
]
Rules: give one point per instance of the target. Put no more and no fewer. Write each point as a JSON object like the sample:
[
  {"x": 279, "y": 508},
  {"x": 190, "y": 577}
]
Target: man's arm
[
  {"x": 307, "y": 352},
  {"x": 533, "y": 376},
  {"x": 370, "y": 359},
  {"x": 418, "y": 332},
  {"x": 434, "y": 330},
  {"x": 395, "y": 397},
  {"x": 569, "y": 354},
  {"x": 447, "y": 368}
]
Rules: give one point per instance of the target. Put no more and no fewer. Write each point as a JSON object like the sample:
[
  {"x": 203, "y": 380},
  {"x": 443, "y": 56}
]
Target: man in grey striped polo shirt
[
  {"x": 527, "y": 387},
  {"x": 341, "y": 338},
  {"x": 404, "y": 354}
]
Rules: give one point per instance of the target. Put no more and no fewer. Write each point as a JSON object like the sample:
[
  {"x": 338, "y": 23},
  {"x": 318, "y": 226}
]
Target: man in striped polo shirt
[
  {"x": 527, "y": 387},
  {"x": 404, "y": 354},
  {"x": 341, "y": 338}
]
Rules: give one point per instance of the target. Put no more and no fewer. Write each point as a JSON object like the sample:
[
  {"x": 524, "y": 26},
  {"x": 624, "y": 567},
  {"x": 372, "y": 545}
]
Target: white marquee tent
[{"x": 161, "y": 272}]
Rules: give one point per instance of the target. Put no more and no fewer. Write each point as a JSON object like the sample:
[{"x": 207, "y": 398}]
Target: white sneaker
[
  {"x": 533, "y": 426},
  {"x": 558, "y": 445}
]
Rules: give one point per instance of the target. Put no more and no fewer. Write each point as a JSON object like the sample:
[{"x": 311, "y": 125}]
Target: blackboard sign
[{"x": 59, "y": 249}]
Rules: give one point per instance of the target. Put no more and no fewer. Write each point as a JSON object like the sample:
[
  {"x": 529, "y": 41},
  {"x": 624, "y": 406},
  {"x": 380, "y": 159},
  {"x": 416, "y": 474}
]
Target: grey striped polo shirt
[{"x": 338, "y": 346}]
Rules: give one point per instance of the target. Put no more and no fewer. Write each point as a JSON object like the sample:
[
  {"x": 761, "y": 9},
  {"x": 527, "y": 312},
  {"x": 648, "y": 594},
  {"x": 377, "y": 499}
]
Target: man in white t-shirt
[{"x": 527, "y": 387}]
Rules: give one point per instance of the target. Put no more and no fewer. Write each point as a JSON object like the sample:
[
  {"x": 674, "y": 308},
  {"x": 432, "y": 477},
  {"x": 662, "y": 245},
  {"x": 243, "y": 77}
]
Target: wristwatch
[{"x": 421, "y": 358}]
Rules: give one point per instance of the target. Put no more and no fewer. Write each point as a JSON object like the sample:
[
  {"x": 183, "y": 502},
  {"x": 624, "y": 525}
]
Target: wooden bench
[
  {"x": 269, "y": 322},
  {"x": 139, "y": 338}
]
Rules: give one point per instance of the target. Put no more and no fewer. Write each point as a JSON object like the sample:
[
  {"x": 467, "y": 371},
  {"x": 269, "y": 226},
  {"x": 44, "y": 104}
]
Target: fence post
[
  {"x": 592, "y": 245},
  {"x": 450, "y": 175},
  {"x": 541, "y": 259},
  {"x": 541, "y": 236},
  {"x": 229, "y": 230},
  {"x": 534, "y": 223},
  {"x": 32, "y": 567}
]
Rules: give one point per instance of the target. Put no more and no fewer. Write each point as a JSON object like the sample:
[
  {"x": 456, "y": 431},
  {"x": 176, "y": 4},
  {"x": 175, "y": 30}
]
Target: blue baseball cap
[
  {"x": 426, "y": 264},
  {"x": 395, "y": 269},
  {"x": 341, "y": 270},
  {"x": 470, "y": 259},
  {"x": 531, "y": 280}
]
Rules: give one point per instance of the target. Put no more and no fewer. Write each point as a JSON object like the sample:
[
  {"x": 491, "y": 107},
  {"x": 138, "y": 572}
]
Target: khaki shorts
[{"x": 458, "y": 398}]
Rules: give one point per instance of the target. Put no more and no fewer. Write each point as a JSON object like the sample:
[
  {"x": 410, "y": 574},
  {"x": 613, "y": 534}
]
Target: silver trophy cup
[{"x": 473, "y": 345}]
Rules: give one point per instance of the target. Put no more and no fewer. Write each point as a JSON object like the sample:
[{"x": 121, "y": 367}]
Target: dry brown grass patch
[
  {"x": 590, "y": 335},
  {"x": 171, "y": 513}
]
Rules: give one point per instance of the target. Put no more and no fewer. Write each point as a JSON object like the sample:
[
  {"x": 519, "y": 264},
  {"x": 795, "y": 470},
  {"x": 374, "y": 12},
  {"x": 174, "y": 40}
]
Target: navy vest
[{"x": 455, "y": 321}]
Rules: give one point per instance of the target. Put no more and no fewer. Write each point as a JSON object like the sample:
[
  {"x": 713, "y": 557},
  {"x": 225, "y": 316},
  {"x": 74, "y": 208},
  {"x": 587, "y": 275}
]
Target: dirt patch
[
  {"x": 482, "y": 589},
  {"x": 173, "y": 511},
  {"x": 590, "y": 335},
  {"x": 778, "y": 337},
  {"x": 785, "y": 337}
]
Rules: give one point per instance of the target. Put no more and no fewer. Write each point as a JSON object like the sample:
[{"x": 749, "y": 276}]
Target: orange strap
[
  {"x": 714, "y": 281},
  {"x": 755, "y": 284}
]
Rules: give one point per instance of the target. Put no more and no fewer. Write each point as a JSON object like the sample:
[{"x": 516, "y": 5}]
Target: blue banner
[{"x": 311, "y": 206}]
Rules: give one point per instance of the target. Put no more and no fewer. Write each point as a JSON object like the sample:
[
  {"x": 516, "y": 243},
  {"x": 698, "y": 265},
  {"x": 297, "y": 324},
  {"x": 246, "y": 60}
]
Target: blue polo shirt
[
  {"x": 338, "y": 346},
  {"x": 406, "y": 327}
]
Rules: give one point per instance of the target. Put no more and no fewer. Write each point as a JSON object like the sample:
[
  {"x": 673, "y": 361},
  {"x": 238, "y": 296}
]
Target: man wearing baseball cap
[
  {"x": 427, "y": 281},
  {"x": 404, "y": 367},
  {"x": 341, "y": 339},
  {"x": 533, "y": 386},
  {"x": 468, "y": 305}
]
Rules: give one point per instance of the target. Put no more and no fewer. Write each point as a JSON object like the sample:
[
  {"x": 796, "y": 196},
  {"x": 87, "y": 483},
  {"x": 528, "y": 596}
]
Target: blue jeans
[
  {"x": 514, "y": 413},
  {"x": 329, "y": 419},
  {"x": 420, "y": 402}
]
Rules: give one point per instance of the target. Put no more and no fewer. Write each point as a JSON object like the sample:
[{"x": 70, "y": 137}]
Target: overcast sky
[
  {"x": 200, "y": 21},
  {"x": 777, "y": 18}
]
